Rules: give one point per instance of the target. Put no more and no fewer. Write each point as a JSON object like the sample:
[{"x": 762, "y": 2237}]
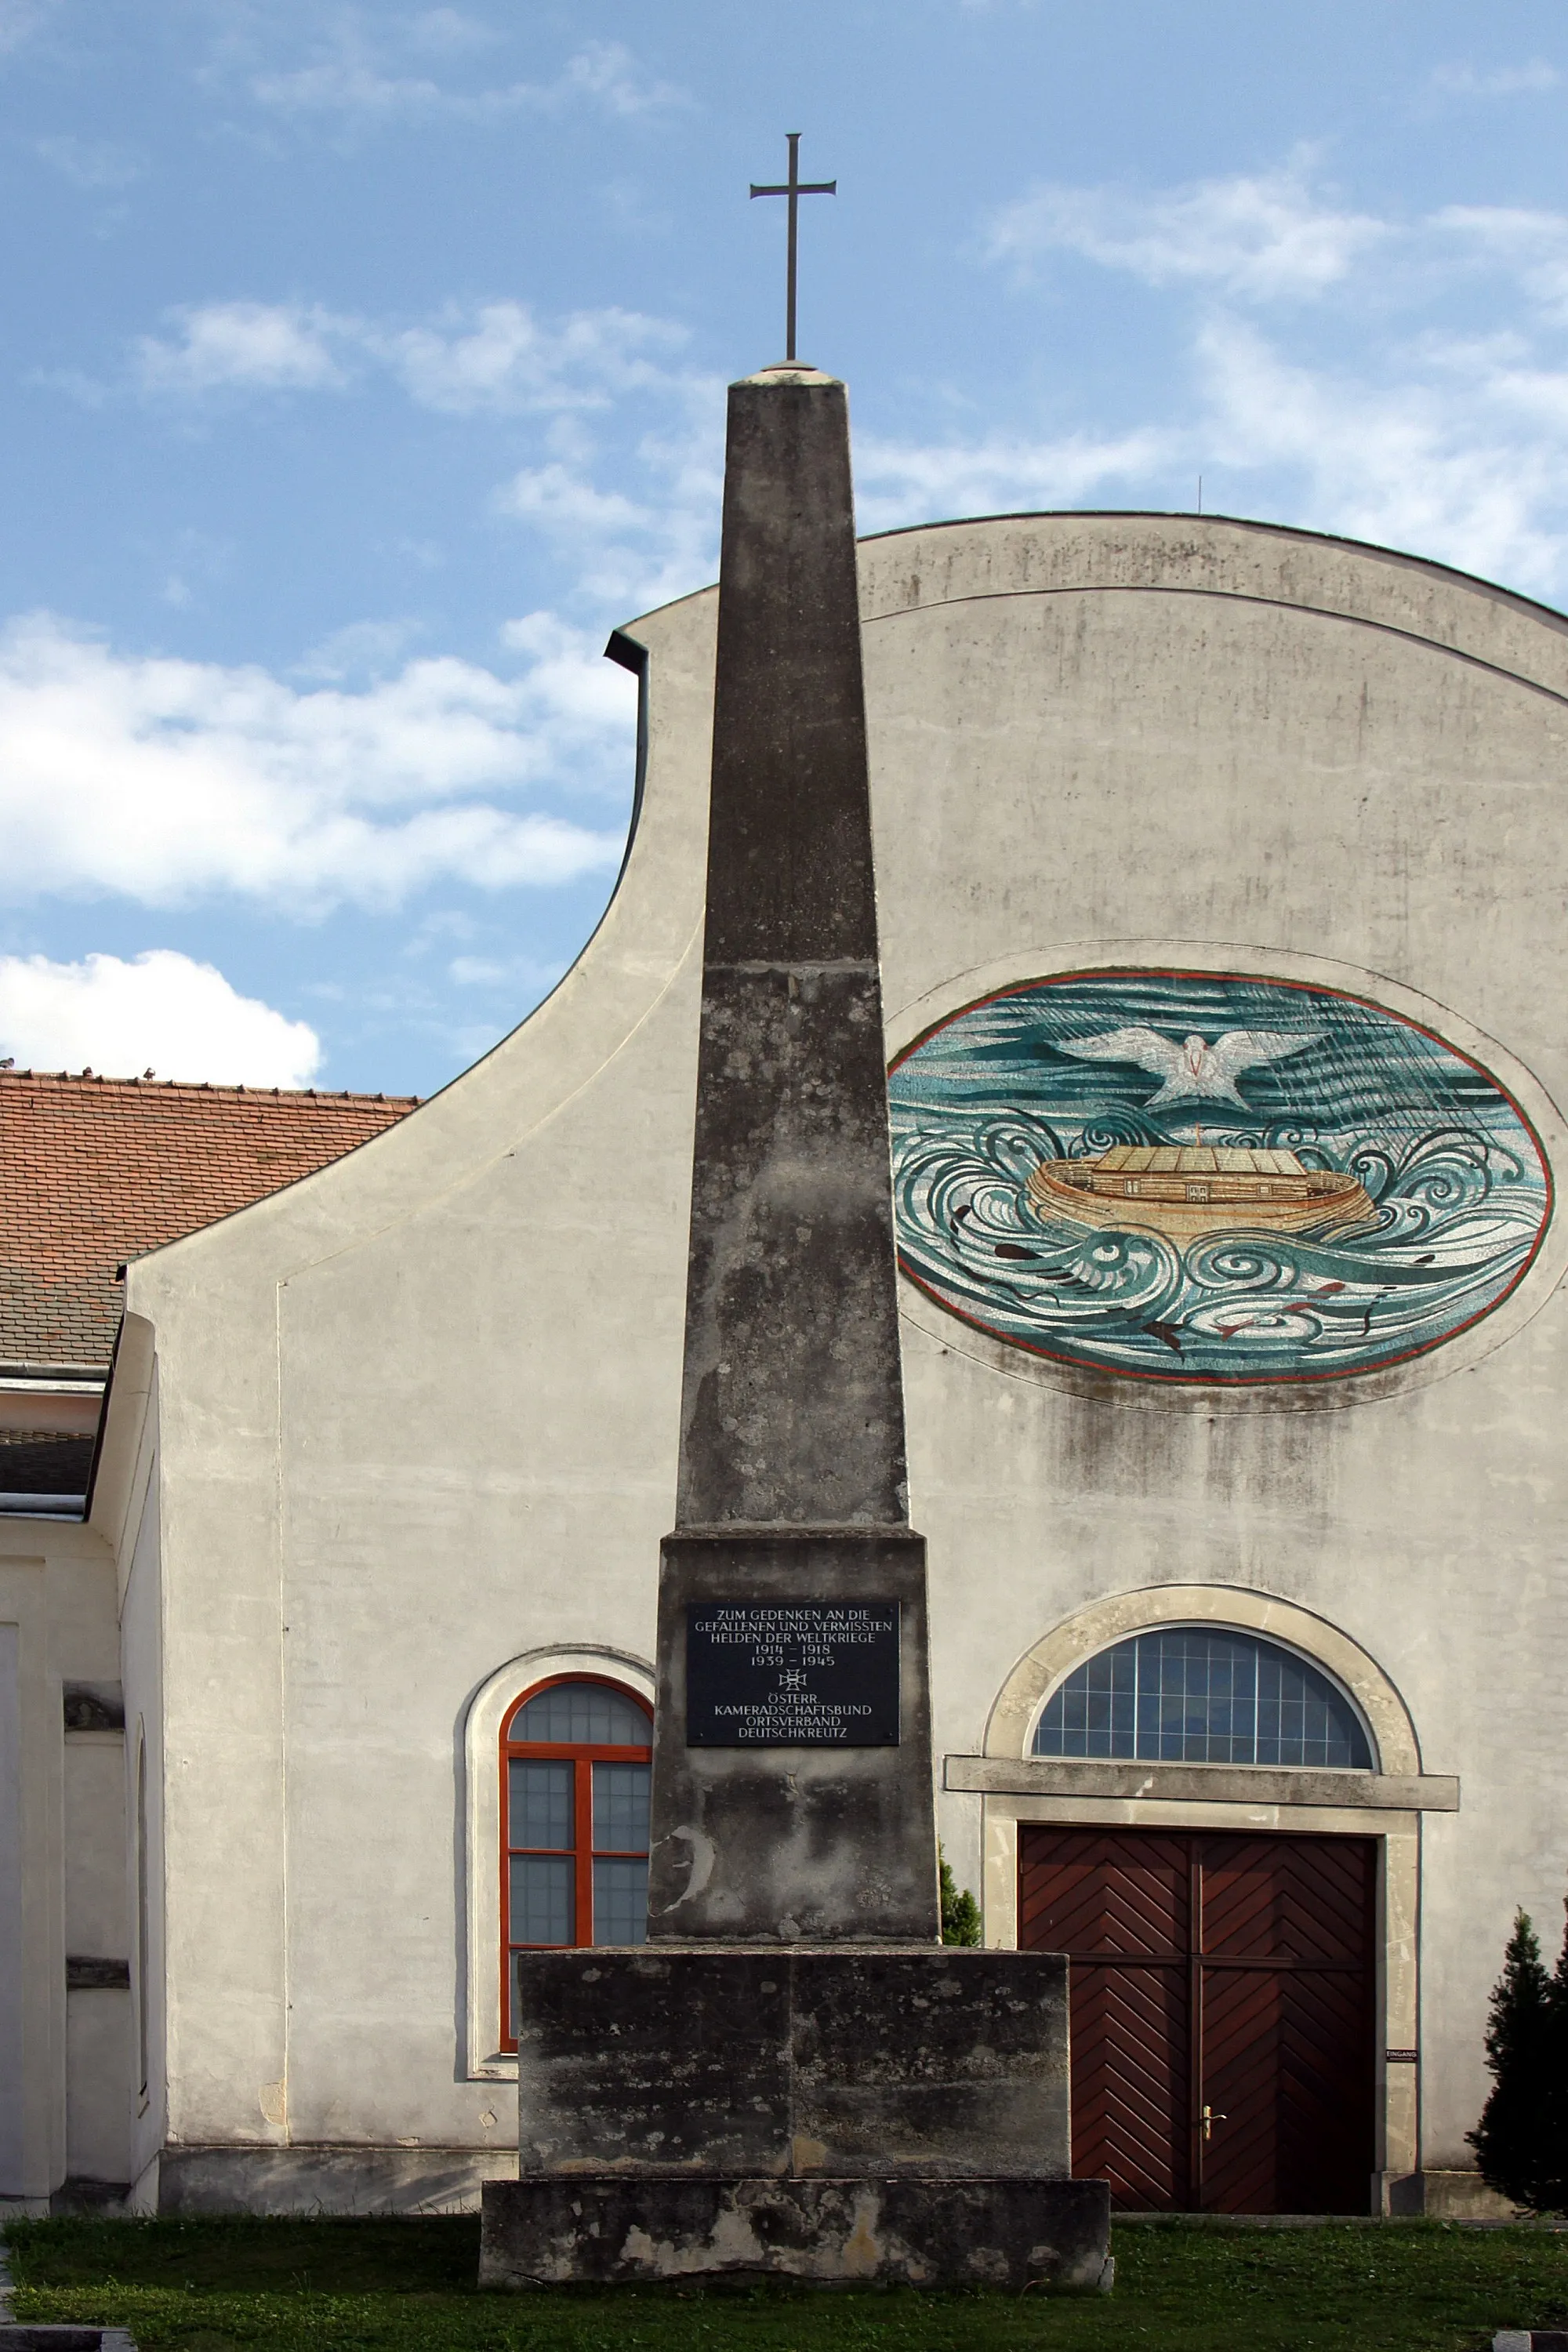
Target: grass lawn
[{"x": 282, "y": 2286}]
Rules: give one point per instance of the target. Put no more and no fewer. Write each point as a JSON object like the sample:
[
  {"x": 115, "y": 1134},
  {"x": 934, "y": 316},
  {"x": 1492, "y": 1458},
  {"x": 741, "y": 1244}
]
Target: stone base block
[
  {"x": 629, "y": 2228},
  {"x": 740, "y": 2063},
  {"x": 50, "y": 2337},
  {"x": 1443, "y": 2196}
]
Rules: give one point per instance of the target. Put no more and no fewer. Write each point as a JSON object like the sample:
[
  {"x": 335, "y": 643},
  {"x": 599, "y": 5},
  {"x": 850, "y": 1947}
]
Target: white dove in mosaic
[{"x": 1192, "y": 1071}]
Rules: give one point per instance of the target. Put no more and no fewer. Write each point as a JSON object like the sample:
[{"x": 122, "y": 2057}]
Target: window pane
[
  {"x": 541, "y": 1903},
  {"x": 620, "y": 1901},
  {"x": 586, "y": 1712},
  {"x": 620, "y": 1810},
  {"x": 541, "y": 1803},
  {"x": 1187, "y": 1695}
]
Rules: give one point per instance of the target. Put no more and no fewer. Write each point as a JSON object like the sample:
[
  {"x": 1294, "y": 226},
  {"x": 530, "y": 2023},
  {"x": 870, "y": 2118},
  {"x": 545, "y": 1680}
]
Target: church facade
[{"x": 1220, "y": 879}]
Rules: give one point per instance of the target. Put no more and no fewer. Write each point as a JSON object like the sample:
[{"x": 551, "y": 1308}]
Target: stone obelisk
[
  {"x": 792, "y": 1782},
  {"x": 792, "y": 2076}
]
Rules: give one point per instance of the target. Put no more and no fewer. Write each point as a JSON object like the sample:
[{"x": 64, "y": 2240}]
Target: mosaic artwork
[{"x": 1209, "y": 1177}]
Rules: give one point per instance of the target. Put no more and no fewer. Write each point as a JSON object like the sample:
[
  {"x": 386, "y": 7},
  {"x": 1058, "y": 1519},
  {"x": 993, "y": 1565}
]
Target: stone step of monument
[
  {"x": 62, "y": 2336},
  {"x": 632, "y": 2228},
  {"x": 1530, "y": 2339}
]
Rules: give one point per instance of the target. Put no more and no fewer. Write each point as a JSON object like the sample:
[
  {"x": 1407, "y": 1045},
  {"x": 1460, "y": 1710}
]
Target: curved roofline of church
[
  {"x": 1236, "y": 522},
  {"x": 1401, "y": 555}
]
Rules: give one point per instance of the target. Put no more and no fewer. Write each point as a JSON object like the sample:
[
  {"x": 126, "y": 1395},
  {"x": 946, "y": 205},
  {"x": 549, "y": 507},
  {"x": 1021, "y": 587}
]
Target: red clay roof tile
[{"x": 96, "y": 1171}]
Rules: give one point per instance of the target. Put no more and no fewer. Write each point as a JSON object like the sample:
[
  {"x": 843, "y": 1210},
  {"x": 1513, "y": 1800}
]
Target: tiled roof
[{"x": 96, "y": 1171}]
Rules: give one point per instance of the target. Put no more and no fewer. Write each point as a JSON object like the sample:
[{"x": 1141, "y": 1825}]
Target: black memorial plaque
[{"x": 812, "y": 1673}]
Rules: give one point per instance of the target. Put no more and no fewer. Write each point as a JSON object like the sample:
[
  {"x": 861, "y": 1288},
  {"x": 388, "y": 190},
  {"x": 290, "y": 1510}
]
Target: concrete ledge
[
  {"x": 1446, "y": 2197},
  {"x": 1186, "y": 1784},
  {"x": 553, "y": 2230},
  {"x": 20, "y": 2337},
  {"x": 328, "y": 2180}
]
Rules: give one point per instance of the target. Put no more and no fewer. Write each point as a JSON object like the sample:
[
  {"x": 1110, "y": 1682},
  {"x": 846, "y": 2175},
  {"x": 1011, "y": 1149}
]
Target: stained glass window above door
[{"x": 1187, "y": 1694}]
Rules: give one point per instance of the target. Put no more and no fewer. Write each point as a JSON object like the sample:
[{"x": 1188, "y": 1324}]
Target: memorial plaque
[{"x": 812, "y": 1673}]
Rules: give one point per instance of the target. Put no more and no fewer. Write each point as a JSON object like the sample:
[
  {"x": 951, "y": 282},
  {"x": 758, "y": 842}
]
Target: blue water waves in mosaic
[{"x": 1209, "y": 1177}]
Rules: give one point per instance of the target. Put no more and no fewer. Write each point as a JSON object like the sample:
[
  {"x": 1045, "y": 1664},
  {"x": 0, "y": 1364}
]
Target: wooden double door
[{"x": 1222, "y": 2012}]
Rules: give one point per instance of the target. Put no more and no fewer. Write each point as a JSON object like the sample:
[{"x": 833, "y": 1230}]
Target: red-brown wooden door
[{"x": 1221, "y": 2001}]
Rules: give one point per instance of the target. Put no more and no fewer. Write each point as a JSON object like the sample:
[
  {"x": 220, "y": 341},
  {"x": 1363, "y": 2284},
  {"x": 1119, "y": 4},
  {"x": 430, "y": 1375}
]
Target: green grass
[{"x": 407, "y": 2286}]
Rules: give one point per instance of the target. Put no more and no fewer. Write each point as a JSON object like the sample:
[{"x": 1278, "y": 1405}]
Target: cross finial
[{"x": 794, "y": 187}]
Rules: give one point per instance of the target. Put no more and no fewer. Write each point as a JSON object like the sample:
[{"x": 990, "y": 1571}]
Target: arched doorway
[{"x": 1251, "y": 1783}]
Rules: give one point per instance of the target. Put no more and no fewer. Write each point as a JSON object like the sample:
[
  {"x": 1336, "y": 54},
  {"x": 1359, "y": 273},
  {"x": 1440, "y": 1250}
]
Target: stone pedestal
[
  {"x": 778, "y": 1844},
  {"x": 832, "y": 2113}
]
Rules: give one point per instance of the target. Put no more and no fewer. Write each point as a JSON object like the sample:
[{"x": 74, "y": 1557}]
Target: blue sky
[{"x": 360, "y": 367}]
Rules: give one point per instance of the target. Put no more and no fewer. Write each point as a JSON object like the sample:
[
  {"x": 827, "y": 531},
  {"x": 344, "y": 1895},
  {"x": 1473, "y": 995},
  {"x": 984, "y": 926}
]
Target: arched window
[
  {"x": 1183, "y": 1695},
  {"x": 574, "y": 1790}
]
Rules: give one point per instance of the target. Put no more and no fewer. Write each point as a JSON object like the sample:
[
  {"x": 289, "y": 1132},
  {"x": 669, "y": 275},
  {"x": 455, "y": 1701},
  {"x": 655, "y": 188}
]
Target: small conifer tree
[
  {"x": 1513, "y": 2139},
  {"x": 960, "y": 1912},
  {"x": 1553, "y": 2186}
]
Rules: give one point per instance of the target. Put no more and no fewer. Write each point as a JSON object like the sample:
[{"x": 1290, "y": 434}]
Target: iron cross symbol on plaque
[{"x": 794, "y": 187}]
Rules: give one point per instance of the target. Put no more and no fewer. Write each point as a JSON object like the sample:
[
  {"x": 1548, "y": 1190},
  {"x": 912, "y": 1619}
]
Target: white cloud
[
  {"x": 628, "y": 552},
  {"x": 20, "y": 19},
  {"x": 1533, "y": 247},
  {"x": 519, "y": 976},
  {"x": 91, "y": 164},
  {"x": 1265, "y": 236},
  {"x": 498, "y": 357},
  {"x": 160, "y": 1011},
  {"x": 1501, "y": 81},
  {"x": 365, "y": 77},
  {"x": 901, "y": 482},
  {"x": 556, "y": 495},
  {"x": 361, "y": 649},
  {"x": 1437, "y": 463},
  {"x": 274, "y": 347},
  {"x": 1448, "y": 438},
  {"x": 606, "y": 72},
  {"x": 447, "y": 32},
  {"x": 502, "y": 358},
  {"x": 165, "y": 781}
]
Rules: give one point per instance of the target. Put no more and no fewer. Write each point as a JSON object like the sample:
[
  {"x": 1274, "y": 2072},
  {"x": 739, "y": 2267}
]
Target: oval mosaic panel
[{"x": 1209, "y": 1177}]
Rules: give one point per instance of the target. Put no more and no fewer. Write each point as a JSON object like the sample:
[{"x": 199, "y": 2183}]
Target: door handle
[{"x": 1212, "y": 2116}]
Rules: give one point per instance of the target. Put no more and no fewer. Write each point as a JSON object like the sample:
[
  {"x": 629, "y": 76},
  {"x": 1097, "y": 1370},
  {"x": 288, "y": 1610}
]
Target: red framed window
[{"x": 575, "y": 1758}]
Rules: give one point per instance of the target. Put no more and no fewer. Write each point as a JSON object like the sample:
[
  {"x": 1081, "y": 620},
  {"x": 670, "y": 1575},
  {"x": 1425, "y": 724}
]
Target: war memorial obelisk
[{"x": 792, "y": 2076}]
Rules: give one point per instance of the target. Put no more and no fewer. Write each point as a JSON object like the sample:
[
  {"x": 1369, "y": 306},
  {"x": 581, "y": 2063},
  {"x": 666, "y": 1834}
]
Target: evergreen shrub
[
  {"x": 1521, "y": 2140},
  {"x": 960, "y": 1911}
]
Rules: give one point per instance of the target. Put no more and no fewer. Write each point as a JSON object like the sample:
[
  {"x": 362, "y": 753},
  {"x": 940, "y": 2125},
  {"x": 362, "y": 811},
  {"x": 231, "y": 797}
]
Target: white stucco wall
[
  {"x": 418, "y": 1414},
  {"x": 62, "y": 1815}
]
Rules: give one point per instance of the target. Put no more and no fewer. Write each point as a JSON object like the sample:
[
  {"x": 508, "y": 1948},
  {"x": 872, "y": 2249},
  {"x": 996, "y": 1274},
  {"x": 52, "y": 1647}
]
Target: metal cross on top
[{"x": 794, "y": 187}]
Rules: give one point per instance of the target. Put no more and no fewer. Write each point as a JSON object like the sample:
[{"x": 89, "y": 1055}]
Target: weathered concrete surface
[
  {"x": 1447, "y": 2197},
  {"x": 793, "y": 1411},
  {"x": 1246, "y": 1784},
  {"x": 791, "y": 1419},
  {"x": 788, "y": 2062},
  {"x": 786, "y": 1844},
  {"x": 305, "y": 2181},
  {"x": 62, "y": 2336},
  {"x": 793, "y": 1404},
  {"x": 1010, "y": 2234}
]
